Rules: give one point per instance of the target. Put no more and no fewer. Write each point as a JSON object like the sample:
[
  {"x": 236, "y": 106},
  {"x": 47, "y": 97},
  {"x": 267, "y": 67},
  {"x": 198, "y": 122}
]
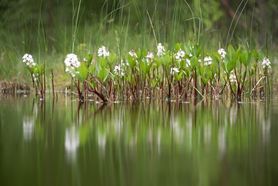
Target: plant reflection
[
  {"x": 213, "y": 125},
  {"x": 28, "y": 128},
  {"x": 71, "y": 142}
]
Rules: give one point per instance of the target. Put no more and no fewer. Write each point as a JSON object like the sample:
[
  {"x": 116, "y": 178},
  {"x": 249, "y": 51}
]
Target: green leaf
[
  {"x": 231, "y": 65},
  {"x": 88, "y": 59},
  {"x": 194, "y": 62},
  {"x": 103, "y": 74},
  {"x": 131, "y": 61},
  {"x": 244, "y": 58},
  {"x": 92, "y": 84},
  {"x": 82, "y": 72},
  {"x": 166, "y": 60}
]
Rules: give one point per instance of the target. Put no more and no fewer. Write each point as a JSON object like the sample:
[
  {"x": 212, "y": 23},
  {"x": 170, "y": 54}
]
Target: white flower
[
  {"x": 118, "y": 70},
  {"x": 160, "y": 50},
  {"x": 207, "y": 60},
  {"x": 71, "y": 63},
  {"x": 103, "y": 52},
  {"x": 266, "y": 63},
  {"x": 149, "y": 56},
  {"x": 222, "y": 53},
  {"x": 180, "y": 55},
  {"x": 174, "y": 70},
  {"x": 28, "y": 60},
  {"x": 232, "y": 78},
  {"x": 124, "y": 63},
  {"x": 132, "y": 53}
]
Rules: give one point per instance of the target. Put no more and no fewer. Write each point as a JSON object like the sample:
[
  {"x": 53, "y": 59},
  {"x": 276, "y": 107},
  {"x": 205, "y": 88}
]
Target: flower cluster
[
  {"x": 222, "y": 53},
  {"x": 174, "y": 70},
  {"x": 180, "y": 55},
  {"x": 132, "y": 53},
  {"x": 103, "y": 52},
  {"x": 207, "y": 60},
  {"x": 28, "y": 60},
  {"x": 72, "y": 63},
  {"x": 160, "y": 50},
  {"x": 232, "y": 78},
  {"x": 266, "y": 63},
  {"x": 119, "y": 70},
  {"x": 150, "y": 56}
]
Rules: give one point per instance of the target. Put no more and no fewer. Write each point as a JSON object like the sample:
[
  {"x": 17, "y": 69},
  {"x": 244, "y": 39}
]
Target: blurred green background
[{"x": 50, "y": 29}]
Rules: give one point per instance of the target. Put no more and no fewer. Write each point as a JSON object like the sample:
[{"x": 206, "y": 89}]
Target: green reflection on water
[{"x": 63, "y": 143}]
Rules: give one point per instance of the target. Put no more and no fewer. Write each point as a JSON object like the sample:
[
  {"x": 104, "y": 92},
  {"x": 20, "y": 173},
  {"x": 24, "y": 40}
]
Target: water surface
[{"x": 209, "y": 143}]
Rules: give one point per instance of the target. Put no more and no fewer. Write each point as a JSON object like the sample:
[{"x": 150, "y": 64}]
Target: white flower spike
[
  {"x": 174, "y": 70},
  {"x": 160, "y": 50},
  {"x": 222, "y": 53},
  {"x": 119, "y": 70},
  {"x": 150, "y": 56},
  {"x": 28, "y": 60},
  {"x": 207, "y": 60},
  {"x": 180, "y": 55},
  {"x": 71, "y": 63},
  {"x": 232, "y": 78},
  {"x": 103, "y": 52},
  {"x": 132, "y": 53},
  {"x": 266, "y": 63}
]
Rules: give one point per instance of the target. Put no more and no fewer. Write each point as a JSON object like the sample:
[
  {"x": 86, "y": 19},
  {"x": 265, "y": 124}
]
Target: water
[{"x": 61, "y": 143}]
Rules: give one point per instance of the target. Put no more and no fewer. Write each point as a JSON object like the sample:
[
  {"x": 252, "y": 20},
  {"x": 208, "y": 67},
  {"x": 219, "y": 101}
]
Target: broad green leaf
[{"x": 82, "y": 72}]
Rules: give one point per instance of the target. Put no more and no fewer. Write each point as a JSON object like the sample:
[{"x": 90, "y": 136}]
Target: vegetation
[
  {"x": 50, "y": 29},
  {"x": 179, "y": 74}
]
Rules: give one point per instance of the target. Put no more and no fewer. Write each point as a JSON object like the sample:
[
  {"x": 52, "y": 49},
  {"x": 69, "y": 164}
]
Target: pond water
[{"x": 209, "y": 143}]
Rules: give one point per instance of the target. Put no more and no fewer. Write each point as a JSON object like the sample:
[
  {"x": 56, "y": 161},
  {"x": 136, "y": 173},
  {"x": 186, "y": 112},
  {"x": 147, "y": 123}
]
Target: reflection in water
[
  {"x": 132, "y": 142},
  {"x": 207, "y": 134},
  {"x": 118, "y": 125},
  {"x": 178, "y": 131},
  {"x": 189, "y": 125},
  {"x": 221, "y": 141},
  {"x": 101, "y": 139},
  {"x": 266, "y": 126},
  {"x": 158, "y": 141},
  {"x": 142, "y": 144},
  {"x": 28, "y": 128},
  {"x": 71, "y": 142},
  {"x": 233, "y": 114}
]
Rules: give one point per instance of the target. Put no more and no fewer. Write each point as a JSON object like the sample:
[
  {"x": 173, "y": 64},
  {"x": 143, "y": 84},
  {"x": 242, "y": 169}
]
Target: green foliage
[
  {"x": 82, "y": 72},
  {"x": 190, "y": 63}
]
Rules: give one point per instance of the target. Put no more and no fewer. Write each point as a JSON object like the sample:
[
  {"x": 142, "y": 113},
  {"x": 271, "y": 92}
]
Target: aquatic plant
[
  {"x": 187, "y": 71},
  {"x": 37, "y": 73}
]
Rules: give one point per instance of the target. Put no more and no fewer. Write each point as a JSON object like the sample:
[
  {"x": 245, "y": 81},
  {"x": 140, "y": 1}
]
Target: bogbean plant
[
  {"x": 37, "y": 72},
  {"x": 185, "y": 72}
]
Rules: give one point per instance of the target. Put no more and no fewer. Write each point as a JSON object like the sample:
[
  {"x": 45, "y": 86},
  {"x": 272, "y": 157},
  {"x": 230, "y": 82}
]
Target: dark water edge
[{"x": 59, "y": 142}]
